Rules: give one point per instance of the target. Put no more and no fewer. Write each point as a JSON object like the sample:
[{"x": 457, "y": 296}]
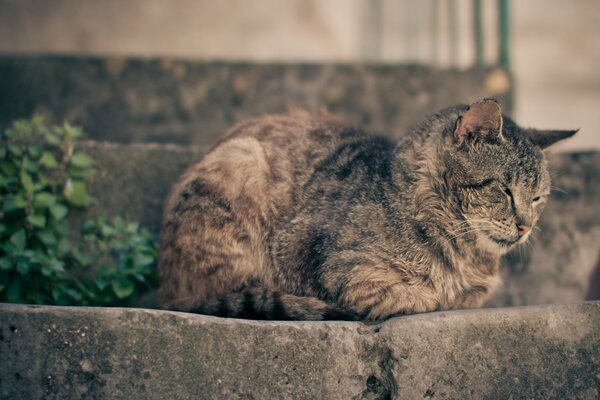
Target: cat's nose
[{"x": 523, "y": 229}]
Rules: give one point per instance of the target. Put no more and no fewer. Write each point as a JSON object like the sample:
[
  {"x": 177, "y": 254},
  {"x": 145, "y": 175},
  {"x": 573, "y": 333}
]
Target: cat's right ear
[
  {"x": 481, "y": 120},
  {"x": 546, "y": 138}
]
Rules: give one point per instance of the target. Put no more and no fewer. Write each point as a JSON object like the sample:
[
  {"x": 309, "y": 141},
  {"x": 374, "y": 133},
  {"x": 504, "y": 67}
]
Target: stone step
[
  {"x": 176, "y": 101},
  {"x": 133, "y": 180},
  {"x": 542, "y": 352}
]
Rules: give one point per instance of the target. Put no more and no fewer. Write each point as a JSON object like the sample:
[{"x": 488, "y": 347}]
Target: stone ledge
[
  {"x": 529, "y": 352},
  {"x": 177, "y": 101}
]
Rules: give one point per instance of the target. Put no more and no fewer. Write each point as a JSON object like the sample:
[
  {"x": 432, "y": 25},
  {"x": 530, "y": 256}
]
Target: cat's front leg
[{"x": 378, "y": 292}]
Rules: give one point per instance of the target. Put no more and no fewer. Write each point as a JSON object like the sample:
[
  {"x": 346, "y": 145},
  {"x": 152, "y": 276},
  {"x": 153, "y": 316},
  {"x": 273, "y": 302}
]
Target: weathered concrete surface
[
  {"x": 166, "y": 100},
  {"x": 133, "y": 180},
  {"x": 545, "y": 352}
]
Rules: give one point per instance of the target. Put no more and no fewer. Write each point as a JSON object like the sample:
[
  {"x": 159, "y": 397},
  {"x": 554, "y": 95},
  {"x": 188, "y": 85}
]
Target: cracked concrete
[{"x": 530, "y": 352}]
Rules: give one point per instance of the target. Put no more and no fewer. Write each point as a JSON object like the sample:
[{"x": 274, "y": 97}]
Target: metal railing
[{"x": 449, "y": 33}]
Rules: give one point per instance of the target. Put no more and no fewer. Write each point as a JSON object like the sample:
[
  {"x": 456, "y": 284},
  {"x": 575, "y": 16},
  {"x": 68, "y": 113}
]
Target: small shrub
[{"x": 43, "y": 177}]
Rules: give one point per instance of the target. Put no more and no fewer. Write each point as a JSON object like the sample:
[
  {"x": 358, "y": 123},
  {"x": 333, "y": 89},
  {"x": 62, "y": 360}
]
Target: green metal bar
[
  {"x": 504, "y": 34},
  {"x": 478, "y": 31}
]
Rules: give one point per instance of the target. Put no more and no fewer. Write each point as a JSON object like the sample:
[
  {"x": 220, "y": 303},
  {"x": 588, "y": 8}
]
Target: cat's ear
[
  {"x": 546, "y": 138},
  {"x": 481, "y": 120}
]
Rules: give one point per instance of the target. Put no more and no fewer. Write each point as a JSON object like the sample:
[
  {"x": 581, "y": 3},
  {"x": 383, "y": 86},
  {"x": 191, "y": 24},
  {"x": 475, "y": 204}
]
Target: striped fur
[{"x": 301, "y": 217}]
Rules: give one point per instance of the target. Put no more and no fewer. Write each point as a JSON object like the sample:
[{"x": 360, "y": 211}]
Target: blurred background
[{"x": 551, "y": 47}]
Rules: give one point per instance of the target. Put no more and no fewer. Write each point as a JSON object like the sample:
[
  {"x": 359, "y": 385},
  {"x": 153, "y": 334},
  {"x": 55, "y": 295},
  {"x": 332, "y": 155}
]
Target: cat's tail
[{"x": 257, "y": 302}]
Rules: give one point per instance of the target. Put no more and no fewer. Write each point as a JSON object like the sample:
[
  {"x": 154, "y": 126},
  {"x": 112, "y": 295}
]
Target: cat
[{"x": 300, "y": 217}]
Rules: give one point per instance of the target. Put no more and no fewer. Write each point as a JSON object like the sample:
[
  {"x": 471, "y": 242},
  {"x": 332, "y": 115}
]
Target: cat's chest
[{"x": 468, "y": 284}]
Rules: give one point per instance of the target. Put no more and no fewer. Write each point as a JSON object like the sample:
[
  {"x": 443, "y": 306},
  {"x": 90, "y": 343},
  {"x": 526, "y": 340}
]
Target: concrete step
[
  {"x": 542, "y": 352},
  {"x": 175, "y": 101},
  {"x": 133, "y": 180}
]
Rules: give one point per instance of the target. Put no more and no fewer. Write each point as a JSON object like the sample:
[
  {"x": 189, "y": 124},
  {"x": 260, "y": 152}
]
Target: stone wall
[
  {"x": 174, "y": 101},
  {"x": 72, "y": 353}
]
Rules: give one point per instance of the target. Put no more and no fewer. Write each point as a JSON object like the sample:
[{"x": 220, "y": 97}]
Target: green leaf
[
  {"x": 72, "y": 131},
  {"x": 15, "y": 150},
  {"x": 76, "y": 172},
  {"x": 44, "y": 199},
  {"x": 18, "y": 239},
  {"x": 16, "y": 202},
  {"x": 51, "y": 139},
  {"x": 34, "y": 151},
  {"x": 38, "y": 221},
  {"x": 48, "y": 237},
  {"x": 30, "y": 165},
  {"x": 101, "y": 282},
  {"x": 119, "y": 223},
  {"x": 81, "y": 258},
  {"x": 57, "y": 265},
  {"x": 23, "y": 267},
  {"x": 107, "y": 230},
  {"x": 76, "y": 194},
  {"x": 64, "y": 246},
  {"x": 143, "y": 260},
  {"x": 81, "y": 160},
  {"x": 74, "y": 294},
  {"x": 122, "y": 288},
  {"x": 8, "y": 168},
  {"x": 6, "y": 264},
  {"x": 48, "y": 160},
  {"x": 59, "y": 211},
  {"x": 26, "y": 181}
]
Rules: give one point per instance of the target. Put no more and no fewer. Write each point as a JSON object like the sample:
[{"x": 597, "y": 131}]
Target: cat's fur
[{"x": 303, "y": 217}]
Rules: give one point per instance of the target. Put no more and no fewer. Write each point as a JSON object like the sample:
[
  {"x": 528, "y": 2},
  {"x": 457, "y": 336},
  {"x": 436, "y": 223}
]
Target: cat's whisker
[
  {"x": 557, "y": 189},
  {"x": 466, "y": 230},
  {"x": 453, "y": 237},
  {"x": 539, "y": 231},
  {"x": 472, "y": 224},
  {"x": 520, "y": 252}
]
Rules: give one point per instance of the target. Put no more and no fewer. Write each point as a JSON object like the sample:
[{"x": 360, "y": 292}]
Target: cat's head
[{"x": 498, "y": 175}]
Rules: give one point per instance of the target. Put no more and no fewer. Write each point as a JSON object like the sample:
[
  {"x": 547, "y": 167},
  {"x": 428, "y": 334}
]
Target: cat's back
[{"x": 266, "y": 159}]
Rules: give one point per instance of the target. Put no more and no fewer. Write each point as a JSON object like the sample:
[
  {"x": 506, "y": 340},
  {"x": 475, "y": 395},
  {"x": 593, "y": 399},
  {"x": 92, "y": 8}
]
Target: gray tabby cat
[{"x": 301, "y": 217}]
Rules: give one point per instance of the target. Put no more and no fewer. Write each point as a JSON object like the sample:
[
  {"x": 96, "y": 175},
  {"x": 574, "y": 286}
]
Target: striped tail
[{"x": 257, "y": 302}]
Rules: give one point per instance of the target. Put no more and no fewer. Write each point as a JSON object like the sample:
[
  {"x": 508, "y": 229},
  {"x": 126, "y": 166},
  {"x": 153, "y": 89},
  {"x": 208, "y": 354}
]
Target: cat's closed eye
[{"x": 509, "y": 193}]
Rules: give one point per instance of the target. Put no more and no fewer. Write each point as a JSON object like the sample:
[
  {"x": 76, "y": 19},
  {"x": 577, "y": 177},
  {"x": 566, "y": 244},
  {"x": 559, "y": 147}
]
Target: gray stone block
[
  {"x": 175, "y": 101},
  {"x": 544, "y": 352}
]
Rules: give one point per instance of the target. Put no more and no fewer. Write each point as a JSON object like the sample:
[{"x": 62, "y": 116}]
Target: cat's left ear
[
  {"x": 546, "y": 138},
  {"x": 482, "y": 120}
]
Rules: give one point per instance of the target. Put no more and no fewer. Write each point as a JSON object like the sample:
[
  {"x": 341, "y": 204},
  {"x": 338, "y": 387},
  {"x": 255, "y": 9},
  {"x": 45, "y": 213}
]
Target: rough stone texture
[
  {"x": 544, "y": 352},
  {"x": 165, "y": 100},
  {"x": 133, "y": 180}
]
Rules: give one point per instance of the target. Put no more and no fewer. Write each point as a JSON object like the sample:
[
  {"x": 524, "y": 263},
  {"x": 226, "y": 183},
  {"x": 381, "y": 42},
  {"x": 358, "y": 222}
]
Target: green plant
[{"x": 43, "y": 177}]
